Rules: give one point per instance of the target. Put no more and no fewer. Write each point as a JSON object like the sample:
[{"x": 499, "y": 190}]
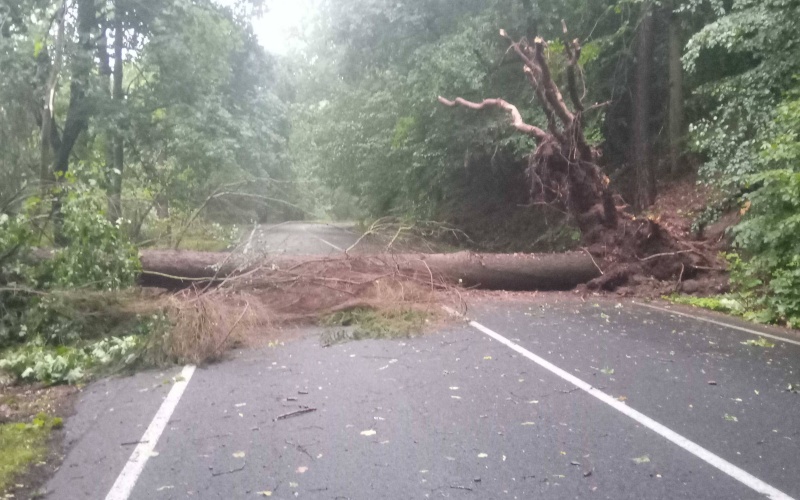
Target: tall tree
[
  {"x": 676, "y": 98},
  {"x": 642, "y": 109},
  {"x": 80, "y": 107}
]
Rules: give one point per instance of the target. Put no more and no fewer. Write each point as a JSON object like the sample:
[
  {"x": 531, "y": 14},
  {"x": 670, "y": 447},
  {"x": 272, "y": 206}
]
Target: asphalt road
[
  {"x": 302, "y": 238},
  {"x": 547, "y": 397}
]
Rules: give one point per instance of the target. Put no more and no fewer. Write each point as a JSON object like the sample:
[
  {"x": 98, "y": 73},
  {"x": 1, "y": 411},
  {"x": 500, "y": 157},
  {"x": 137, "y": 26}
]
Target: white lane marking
[
  {"x": 324, "y": 241},
  {"x": 720, "y": 323},
  {"x": 124, "y": 484},
  {"x": 695, "y": 449}
]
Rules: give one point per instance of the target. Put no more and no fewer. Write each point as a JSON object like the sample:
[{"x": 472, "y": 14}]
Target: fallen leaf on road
[
  {"x": 528, "y": 423},
  {"x": 761, "y": 342},
  {"x": 456, "y": 397},
  {"x": 482, "y": 455},
  {"x": 731, "y": 418},
  {"x": 622, "y": 398},
  {"x": 264, "y": 493},
  {"x": 302, "y": 469},
  {"x": 487, "y": 358},
  {"x": 641, "y": 460},
  {"x": 607, "y": 371},
  {"x": 238, "y": 454},
  {"x": 369, "y": 432}
]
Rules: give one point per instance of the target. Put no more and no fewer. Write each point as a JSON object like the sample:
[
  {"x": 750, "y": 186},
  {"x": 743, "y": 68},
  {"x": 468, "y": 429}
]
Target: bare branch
[
  {"x": 550, "y": 88},
  {"x": 573, "y": 51},
  {"x": 516, "y": 117}
]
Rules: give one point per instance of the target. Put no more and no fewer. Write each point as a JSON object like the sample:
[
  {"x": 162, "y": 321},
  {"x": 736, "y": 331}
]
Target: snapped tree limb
[{"x": 516, "y": 117}]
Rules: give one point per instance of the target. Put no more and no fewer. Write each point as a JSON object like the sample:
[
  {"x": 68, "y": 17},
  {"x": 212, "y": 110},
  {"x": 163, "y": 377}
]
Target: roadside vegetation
[
  {"x": 362, "y": 324},
  {"x": 23, "y": 444}
]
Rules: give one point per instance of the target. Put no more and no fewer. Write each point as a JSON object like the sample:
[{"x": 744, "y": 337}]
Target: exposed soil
[{"x": 657, "y": 253}]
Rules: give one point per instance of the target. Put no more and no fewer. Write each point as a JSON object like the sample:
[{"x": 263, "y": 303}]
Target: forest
[{"x": 129, "y": 126}]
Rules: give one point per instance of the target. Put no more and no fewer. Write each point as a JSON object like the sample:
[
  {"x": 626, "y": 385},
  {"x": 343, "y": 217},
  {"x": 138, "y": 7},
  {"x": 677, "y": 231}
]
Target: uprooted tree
[{"x": 563, "y": 170}]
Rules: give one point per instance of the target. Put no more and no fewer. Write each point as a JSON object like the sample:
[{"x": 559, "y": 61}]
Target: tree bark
[
  {"x": 643, "y": 154},
  {"x": 115, "y": 192},
  {"x": 165, "y": 268},
  {"x": 676, "y": 103},
  {"x": 49, "y": 139}
]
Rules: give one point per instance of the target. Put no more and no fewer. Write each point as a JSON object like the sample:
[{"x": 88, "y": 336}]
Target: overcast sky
[{"x": 274, "y": 29}]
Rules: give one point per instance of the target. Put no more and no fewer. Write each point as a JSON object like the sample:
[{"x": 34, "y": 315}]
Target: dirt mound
[{"x": 659, "y": 253}]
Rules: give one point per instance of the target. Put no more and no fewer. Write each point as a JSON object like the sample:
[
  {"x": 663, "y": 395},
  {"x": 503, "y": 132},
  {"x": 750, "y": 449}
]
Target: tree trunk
[
  {"x": 115, "y": 192},
  {"x": 78, "y": 111},
  {"x": 676, "y": 111},
  {"x": 165, "y": 268},
  {"x": 106, "y": 83},
  {"x": 50, "y": 139},
  {"x": 643, "y": 154}
]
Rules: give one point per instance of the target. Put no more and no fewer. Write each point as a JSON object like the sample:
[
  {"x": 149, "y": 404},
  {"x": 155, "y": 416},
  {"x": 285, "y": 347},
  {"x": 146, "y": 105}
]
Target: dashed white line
[
  {"x": 695, "y": 449},
  {"x": 124, "y": 484},
  {"x": 720, "y": 323}
]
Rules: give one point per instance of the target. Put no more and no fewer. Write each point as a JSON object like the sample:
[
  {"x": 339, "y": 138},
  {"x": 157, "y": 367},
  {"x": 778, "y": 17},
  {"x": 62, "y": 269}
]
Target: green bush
[
  {"x": 98, "y": 257},
  {"x": 766, "y": 274},
  {"x": 66, "y": 364}
]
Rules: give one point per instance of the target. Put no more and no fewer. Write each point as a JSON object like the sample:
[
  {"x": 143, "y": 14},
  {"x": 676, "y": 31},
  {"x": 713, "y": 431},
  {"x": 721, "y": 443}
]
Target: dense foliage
[
  {"x": 123, "y": 123},
  {"x": 747, "y": 62}
]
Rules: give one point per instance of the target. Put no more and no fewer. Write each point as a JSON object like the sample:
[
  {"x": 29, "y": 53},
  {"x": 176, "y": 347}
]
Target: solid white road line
[
  {"x": 728, "y": 468},
  {"x": 124, "y": 484},
  {"x": 720, "y": 323}
]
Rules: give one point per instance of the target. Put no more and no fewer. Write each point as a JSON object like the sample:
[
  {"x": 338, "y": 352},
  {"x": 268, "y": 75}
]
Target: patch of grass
[
  {"x": 364, "y": 323},
  {"x": 22, "y": 445},
  {"x": 719, "y": 303}
]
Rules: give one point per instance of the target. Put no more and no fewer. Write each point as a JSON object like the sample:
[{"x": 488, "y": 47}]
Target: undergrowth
[
  {"x": 363, "y": 323},
  {"x": 719, "y": 303},
  {"x": 23, "y": 444}
]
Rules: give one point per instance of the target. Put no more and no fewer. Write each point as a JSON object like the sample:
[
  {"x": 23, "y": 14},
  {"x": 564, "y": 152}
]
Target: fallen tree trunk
[{"x": 177, "y": 269}]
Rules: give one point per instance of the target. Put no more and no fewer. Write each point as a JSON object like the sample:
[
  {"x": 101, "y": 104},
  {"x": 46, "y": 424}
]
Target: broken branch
[{"x": 516, "y": 117}]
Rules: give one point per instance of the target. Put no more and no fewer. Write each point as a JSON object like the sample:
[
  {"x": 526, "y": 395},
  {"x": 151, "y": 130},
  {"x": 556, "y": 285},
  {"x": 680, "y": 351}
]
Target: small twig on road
[
  {"x": 294, "y": 414},
  {"x": 457, "y": 487},
  {"x": 131, "y": 443},
  {"x": 238, "y": 469}
]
